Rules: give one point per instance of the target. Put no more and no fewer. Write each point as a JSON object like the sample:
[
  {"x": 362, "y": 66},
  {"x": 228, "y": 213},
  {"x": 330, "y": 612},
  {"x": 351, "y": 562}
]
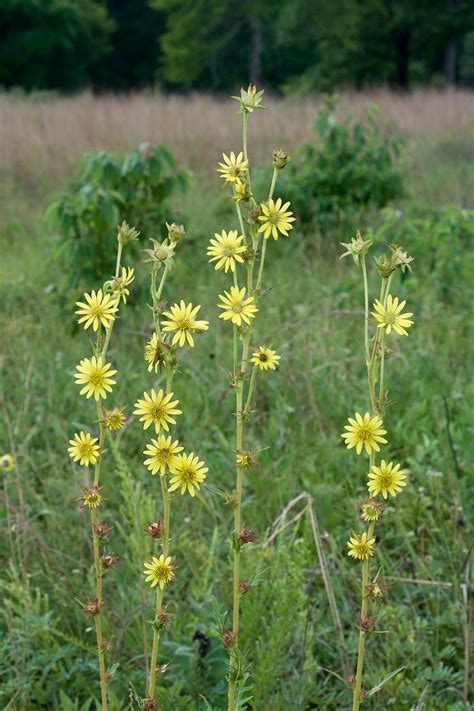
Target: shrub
[
  {"x": 135, "y": 188},
  {"x": 351, "y": 168}
]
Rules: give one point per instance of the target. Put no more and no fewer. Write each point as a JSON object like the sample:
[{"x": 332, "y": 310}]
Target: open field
[{"x": 310, "y": 315}]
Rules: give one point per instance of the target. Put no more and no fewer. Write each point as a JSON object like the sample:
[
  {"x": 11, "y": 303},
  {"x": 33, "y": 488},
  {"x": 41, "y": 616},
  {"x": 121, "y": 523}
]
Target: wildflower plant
[
  {"x": 180, "y": 473},
  {"x": 366, "y": 433},
  {"x": 240, "y": 253},
  {"x": 97, "y": 313}
]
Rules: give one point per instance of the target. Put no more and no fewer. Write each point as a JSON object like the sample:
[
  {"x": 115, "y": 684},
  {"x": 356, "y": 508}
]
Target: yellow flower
[
  {"x": 386, "y": 479},
  {"x": 119, "y": 285},
  {"x": 155, "y": 353},
  {"x": 96, "y": 377},
  {"x": 157, "y": 409},
  {"x": 275, "y": 219},
  {"x": 391, "y": 317},
  {"x": 361, "y": 547},
  {"x": 226, "y": 250},
  {"x": 365, "y": 432},
  {"x": 114, "y": 419},
  {"x": 265, "y": 358},
  {"x": 159, "y": 571},
  {"x": 233, "y": 168},
  {"x": 182, "y": 319},
  {"x": 242, "y": 191},
  {"x": 161, "y": 453},
  {"x": 84, "y": 449},
  {"x": 7, "y": 463},
  {"x": 99, "y": 309},
  {"x": 236, "y": 307},
  {"x": 188, "y": 473}
]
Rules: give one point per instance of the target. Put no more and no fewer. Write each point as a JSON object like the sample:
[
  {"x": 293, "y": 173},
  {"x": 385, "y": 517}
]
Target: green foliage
[
  {"x": 52, "y": 45},
  {"x": 350, "y": 169},
  {"x": 136, "y": 188}
]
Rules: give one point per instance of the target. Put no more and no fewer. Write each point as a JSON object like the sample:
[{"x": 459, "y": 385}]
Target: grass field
[{"x": 311, "y": 314}]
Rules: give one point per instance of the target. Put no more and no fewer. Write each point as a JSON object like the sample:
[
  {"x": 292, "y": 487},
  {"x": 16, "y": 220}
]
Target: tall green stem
[
  {"x": 362, "y": 632},
  {"x": 98, "y": 569}
]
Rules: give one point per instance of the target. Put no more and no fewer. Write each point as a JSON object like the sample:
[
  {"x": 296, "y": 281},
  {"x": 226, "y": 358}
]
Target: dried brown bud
[
  {"x": 154, "y": 529},
  {"x": 244, "y": 586},
  {"x": 104, "y": 646},
  {"x": 91, "y": 607},
  {"x": 366, "y": 623},
  {"x": 101, "y": 531},
  {"x": 108, "y": 560},
  {"x": 150, "y": 705},
  {"x": 376, "y": 590},
  {"x": 246, "y": 535},
  {"x": 228, "y": 638}
]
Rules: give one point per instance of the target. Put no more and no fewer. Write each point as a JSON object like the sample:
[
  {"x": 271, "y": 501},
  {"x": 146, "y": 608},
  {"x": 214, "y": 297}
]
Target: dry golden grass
[{"x": 46, "y": 139}]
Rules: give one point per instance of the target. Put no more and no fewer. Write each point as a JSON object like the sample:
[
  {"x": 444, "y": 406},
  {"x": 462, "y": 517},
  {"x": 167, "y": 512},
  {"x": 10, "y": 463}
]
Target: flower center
[
  {"x": 157, "y": 412},
  {"x": 263, "y": 357},
  {"x": 96, "y": 378},
  {"x": 183, "y": 324},
  {"x": 228, "y": 251},
  {"x": 237, "y": 308},
  {"x": 390, "y": 317},
  {"x": 85, "y": 449},
  {"x": 187, "y": 475},
  {"x": 364, "y": 434},
  {"x": 163, "y": 454},
  {"x": 386, "y": 481},
  {"x": 364, "y": 549}
]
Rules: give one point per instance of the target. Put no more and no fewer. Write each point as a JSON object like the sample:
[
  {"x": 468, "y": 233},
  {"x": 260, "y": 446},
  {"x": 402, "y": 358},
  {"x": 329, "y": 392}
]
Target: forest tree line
[{"x": 214, "y": 45}]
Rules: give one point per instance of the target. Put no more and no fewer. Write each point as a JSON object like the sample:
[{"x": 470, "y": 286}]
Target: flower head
[
  {"x": 7, "y": 463},
  {"x": 265, "y": 358},
  {"x": 391, "y": 316},
  {"x": 188, "y": 473},
  {"x": 276, "y": 219},
  {"x": 91, "y": 497},
  {"x": 357, "y": 247},
  {"x": 233, "y": 168},
  {"x": 161, "y": 254},
  {"x": 114, "y": 419},
  {"x": 158, "y": 409},
  {"x": 250, "y": 99},
  {"x": 108, "y": 560},
  {"x": 386, "y": 479},
  {"x": 237, "y": 308},
  {"x": 96, "y": 376},
  {"x": 361, "y": 547},
  {"x": 156, "y": 353},
  {"x": 365, "y": 432},
  {"x": 401, "y": 257},
  {"x": 161, "y": 453},
  {"x": 371, "y": 510},
  {"x": 91, "y": 607},
  {"x": 159, "y": 571},
  {"x": 182, "y": 320},
  {"x": 245, "y": 459},
  {"x": 84, "y": 449},
  {"x": 119, "y": 284},
  {"x": 99, "y": 309},
  {"x": 226, "y": 250},
  {"x": 101, "y": 531}
]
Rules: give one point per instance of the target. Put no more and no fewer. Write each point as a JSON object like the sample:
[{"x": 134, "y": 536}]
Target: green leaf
[{"x": 384, "y": 681}]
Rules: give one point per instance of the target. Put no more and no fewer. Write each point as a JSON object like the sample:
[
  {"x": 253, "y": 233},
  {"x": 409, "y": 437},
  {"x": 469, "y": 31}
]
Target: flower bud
[
  {"x": 366, "y": 623},
  {"x": 154, "y": 529},
  {"x": 175, "y": 233},
  {"x": 244, "y": 586},
  {"x": 228, "y": 639},
  {"x": 101, "y": 531},
  {"x": 246, "y": 535},
  {"x": 280, "y": 159},
  {"x": 127, "y": 234},
  {"x": 91, "y": 608},
  {"x": 357, "y": 247},
  {"x": 108, "y": 560}
]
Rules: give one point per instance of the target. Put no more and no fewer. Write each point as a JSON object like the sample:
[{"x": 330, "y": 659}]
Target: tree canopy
[{"x": 299, "y": 45}]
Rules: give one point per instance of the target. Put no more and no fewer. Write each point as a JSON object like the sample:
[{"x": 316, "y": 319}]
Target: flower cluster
[
  {"x": 98, "y": 311},
  {"x": 367, "y": 432},
  {"x": 233, "y": 251},
  {"x": 174, "y": 328}
]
